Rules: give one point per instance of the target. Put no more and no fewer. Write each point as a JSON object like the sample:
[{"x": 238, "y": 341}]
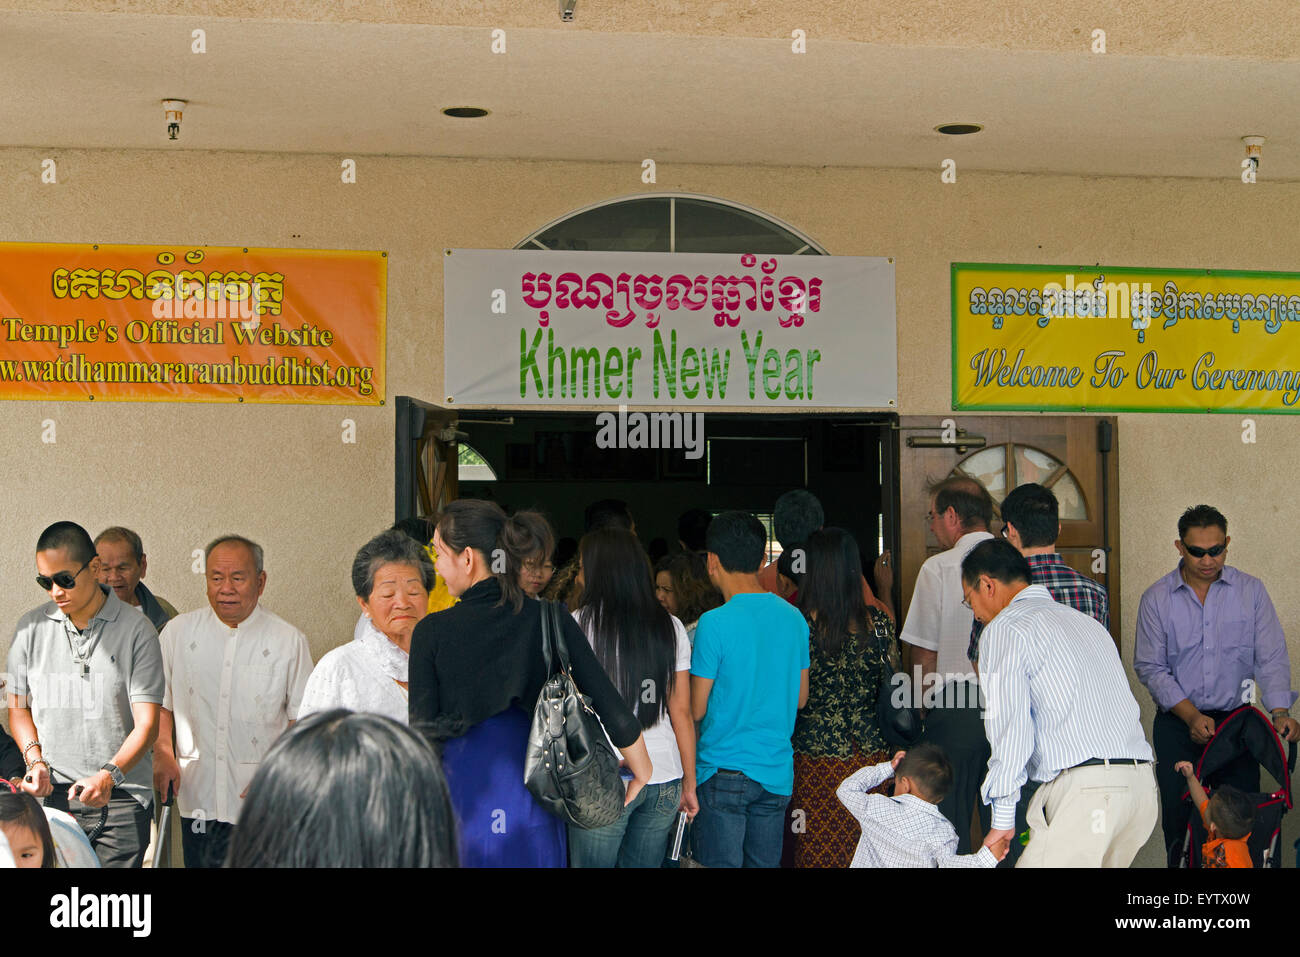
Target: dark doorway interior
[{"x": 551, "y": 462}]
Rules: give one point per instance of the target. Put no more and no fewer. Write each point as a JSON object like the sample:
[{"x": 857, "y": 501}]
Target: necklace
[{"x": 82, "y": 659}]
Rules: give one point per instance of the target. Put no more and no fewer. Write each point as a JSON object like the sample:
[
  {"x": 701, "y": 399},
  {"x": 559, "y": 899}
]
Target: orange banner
[{"x": 192, "y": 324}]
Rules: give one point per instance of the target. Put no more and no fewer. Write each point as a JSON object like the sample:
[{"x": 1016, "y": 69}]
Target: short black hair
[
  {"x": 692, "y": 526},
  {"x": 967, "y": 497},
  {"x": 117, "y": 533},
  {"x": 785, "y": 563},
  {"x": 739, "y": 541},
  {"x": 341, "y": 789},
  {"x": 1232, "y": 812},
  {"x": 1201, "y": 516},
  {"x": 608, "y": 512},
  {"x": 71, "y": 537},
  {"x": 1033, "y": 510},
  {"x": 392, "y": 547},
  {"x": 997, "y": 558},
  {"x": 796, "y": 515},
  {"x": 420, "y": 529},
  {"x": 928, "y": 767}
]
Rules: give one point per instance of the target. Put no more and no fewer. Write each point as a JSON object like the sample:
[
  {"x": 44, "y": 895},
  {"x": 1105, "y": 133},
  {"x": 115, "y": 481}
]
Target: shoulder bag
[
  {"x": 569, "y": 766},
  {"x": 900, "y": 723}
]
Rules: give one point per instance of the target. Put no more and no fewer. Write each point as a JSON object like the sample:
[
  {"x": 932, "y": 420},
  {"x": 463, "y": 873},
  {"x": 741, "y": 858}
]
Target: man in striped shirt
[
  {"x": 1058, "y": 711},
  {"x": 1031, "y": 522}
]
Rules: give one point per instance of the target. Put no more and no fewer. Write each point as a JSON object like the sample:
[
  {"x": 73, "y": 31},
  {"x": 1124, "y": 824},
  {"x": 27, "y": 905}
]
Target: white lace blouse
[{"x": 360, "y": 676}]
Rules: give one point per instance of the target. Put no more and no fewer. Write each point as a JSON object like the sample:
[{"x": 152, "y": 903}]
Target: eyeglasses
[
  {"x": 965, "y": 600},
  {"x": 1214, "y": 551},
  {"x": 64, "y": 580}
]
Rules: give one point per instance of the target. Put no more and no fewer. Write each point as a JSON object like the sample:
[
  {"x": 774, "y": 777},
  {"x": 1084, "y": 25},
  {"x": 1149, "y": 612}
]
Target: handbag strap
[
  {"x": 553, "y": 638},
  {"x": 546, "y": 636}
]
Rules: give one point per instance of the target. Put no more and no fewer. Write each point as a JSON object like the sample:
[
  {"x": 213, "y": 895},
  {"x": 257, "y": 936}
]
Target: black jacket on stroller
[{"x": 1246, "y": 731}]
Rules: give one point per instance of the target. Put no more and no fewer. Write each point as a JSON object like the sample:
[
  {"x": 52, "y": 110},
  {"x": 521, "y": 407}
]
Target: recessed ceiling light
[
  {"x": 958, "y": 129},
  {"x": 465, "y": 112}
]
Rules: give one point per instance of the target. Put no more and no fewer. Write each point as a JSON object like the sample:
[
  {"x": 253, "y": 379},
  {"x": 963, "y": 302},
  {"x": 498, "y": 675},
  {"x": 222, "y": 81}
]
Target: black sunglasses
[
  {"x": 64, "y": 580},
  {"x": 1214, "y": 551}
]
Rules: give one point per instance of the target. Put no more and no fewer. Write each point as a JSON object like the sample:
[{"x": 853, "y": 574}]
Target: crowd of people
[{"x": 741, "y": 695}]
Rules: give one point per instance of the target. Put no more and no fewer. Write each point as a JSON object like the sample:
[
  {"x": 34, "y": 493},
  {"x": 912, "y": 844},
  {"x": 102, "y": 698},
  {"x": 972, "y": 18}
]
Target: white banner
[{"x": 535, "y": 327}]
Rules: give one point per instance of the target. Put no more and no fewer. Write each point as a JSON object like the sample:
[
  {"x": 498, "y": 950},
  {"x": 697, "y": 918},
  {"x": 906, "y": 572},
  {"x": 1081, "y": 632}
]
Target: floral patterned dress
[{"x": 835, "y": 735}]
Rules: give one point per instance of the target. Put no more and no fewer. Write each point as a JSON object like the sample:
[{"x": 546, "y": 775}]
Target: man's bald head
[{"x": 968, "y": 498}]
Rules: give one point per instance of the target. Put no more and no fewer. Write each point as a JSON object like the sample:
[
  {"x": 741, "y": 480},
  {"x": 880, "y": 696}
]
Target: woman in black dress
[{"x": 475, "y": 673}]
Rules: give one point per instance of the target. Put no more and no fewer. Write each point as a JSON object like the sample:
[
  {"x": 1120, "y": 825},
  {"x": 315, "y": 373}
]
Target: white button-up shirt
[
  {"x": 903, "y": 831},
  {"x": 937, "y": 620},
  {"x": 231, "y": 691}
]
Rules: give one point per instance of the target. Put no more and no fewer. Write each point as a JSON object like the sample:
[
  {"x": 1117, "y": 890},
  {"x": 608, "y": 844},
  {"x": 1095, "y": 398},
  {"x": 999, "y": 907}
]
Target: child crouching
[{"x": 907, "y": 830}]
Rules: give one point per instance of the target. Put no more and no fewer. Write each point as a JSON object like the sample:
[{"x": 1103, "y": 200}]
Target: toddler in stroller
[{"x": 1233, "y": 822}]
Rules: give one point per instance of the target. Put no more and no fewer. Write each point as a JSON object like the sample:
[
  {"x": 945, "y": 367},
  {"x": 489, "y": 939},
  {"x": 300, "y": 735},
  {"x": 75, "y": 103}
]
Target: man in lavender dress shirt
[{"x": 1206, "y": 634}]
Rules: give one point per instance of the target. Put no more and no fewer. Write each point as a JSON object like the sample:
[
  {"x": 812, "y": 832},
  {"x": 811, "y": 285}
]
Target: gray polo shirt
[{"x": 83, "y": 715}]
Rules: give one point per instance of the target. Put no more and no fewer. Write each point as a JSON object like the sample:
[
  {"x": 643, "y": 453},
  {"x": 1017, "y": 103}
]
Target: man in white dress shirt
[
  {"x": 1058, "y": 710},
  {"x": 235, "y": 678},
  {"x": 937, "y": 632}
]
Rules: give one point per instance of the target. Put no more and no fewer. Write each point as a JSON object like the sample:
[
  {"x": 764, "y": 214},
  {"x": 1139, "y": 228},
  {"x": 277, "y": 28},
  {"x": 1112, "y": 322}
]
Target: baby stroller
[{"x": 1246, "y": 731}]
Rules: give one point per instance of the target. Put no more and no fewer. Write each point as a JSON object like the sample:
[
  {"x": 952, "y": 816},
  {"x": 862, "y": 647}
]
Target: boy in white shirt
[{"x": 907, "y": 830}]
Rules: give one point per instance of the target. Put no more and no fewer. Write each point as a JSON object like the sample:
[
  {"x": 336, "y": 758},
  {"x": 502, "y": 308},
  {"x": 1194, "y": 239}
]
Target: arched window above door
[{"x": 672, "y": 223}]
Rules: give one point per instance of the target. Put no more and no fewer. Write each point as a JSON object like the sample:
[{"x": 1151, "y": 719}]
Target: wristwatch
[{"x": 115, "y": 773}]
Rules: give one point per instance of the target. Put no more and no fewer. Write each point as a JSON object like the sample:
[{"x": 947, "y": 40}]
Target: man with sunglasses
[
  {"x": 1206, "y": 635},
  {"x": 87, "y": 688}
]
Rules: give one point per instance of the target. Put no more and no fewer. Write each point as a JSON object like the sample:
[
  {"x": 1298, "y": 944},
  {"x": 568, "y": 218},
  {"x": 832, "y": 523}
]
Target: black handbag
[
  {"x": 569, "y": 766},
  {"x": 900, "y": 723}
]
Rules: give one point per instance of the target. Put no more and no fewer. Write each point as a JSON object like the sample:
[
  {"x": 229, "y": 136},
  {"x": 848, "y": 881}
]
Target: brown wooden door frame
[
  {"x": 425, "y": 454},
  {"x": 1075, "y": 440}
]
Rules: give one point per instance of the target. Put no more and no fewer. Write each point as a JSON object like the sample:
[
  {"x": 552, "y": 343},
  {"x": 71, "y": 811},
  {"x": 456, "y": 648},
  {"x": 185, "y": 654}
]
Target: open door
[
  {"x": 425, "y": 452},
  {"x": 1074, "y": 456}
]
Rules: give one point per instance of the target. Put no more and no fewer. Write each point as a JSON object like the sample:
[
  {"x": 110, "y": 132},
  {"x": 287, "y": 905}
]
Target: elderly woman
[{"x": 392, "y": 576}]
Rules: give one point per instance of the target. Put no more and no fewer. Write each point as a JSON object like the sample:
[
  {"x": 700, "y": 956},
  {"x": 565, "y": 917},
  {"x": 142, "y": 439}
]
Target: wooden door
[
  {"x": 425, "y": 451},
  {"x": 1075, "y": 456}
]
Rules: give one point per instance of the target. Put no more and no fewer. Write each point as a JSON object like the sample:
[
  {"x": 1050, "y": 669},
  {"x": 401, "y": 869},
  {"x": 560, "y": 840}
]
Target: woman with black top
[
  {"x": 475, "y": 673},
  {"x": 837, "y": 733}
]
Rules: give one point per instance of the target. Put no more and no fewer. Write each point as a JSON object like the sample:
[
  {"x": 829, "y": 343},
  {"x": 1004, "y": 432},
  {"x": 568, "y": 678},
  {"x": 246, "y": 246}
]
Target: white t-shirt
[
  {"x": 660, "y": 741},
  {"x": 937, "y": 620}
]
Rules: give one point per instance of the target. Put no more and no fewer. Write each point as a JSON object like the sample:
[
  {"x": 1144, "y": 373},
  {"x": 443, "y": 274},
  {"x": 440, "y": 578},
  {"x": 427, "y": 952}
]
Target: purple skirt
[{"x": 501, "y": 824}]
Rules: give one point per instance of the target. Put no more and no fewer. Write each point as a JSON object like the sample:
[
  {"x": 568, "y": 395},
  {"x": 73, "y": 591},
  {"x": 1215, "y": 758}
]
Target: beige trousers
[{"x": 1098, "y": 816}]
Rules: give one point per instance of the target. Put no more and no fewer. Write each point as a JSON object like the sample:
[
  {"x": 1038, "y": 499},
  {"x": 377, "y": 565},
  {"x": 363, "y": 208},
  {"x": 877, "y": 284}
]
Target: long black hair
[
  {"x": 505, "y": 543},
  {"x": 632, "y": 634},
  {"x": 22, "y": 809},
  {"x": 341, "y": 789},
  {"x": 832, "y": 588}
]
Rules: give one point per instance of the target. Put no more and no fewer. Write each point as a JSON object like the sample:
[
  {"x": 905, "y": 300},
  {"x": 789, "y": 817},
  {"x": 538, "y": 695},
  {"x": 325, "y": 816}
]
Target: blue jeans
[
  {"x": 740, "y": 823},
  {"x": 637, "y": 839}
]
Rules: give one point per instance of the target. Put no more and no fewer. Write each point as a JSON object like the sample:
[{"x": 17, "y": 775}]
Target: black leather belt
[{"x": 1092, "y": 762}]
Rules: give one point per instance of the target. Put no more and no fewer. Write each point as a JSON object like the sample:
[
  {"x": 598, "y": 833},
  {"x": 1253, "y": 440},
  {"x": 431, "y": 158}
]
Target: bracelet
[
  {"x": 40, "y": 761},
  {"x": 30, "y": 745}
]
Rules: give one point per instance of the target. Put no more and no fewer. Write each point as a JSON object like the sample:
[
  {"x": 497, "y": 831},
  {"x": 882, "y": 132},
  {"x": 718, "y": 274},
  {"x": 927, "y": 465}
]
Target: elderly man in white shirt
[
  {"x": 235, "y": 679},
  {"x": 1058, "y": 710},
  {"x": 937, "y": 631}
]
